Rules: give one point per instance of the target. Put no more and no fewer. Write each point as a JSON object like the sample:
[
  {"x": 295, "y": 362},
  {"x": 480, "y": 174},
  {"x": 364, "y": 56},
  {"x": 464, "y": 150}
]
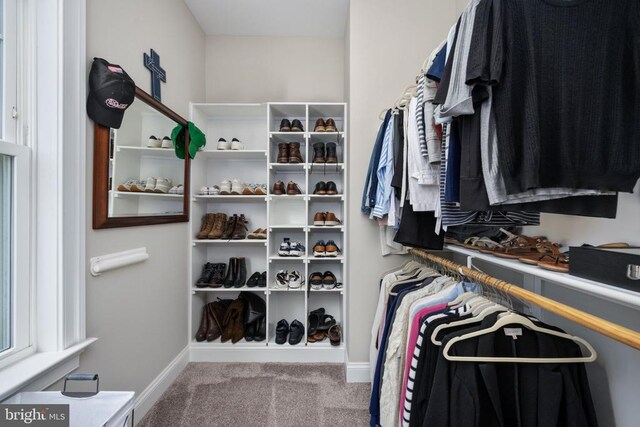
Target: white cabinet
[{"x": 257, "y": 126}]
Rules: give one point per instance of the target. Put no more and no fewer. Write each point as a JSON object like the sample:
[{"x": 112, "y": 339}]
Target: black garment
[
  {"x": 566, "y": 96},
  {"x": 417, "y": 229},
  {"x": 510, "y": 394},
  {"x": 398, "y": 152}
]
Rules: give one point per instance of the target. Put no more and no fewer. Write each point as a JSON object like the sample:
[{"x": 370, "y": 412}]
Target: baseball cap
[
  {"x": 111, "y": 92},
  {"x": 197, "y": 139}
]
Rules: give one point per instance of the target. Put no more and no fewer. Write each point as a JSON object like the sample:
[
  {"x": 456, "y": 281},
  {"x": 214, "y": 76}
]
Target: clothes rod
[{"x": 612, "y": 330}]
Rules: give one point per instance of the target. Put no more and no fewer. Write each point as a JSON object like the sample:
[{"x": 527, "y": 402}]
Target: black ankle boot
[
  {"x": 332, "y": 155},
  {"x": 232, "y": 269},
  {"x": 318, "y": 153},
  {"x": 241, "y": 274}
]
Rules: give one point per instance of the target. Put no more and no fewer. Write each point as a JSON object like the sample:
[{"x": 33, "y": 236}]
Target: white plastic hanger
[
  {"x": 475, "y": 319},
  {"x": 514, "y": 318}
]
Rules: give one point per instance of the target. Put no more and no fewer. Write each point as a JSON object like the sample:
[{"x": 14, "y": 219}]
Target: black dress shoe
[
  {"x": 296, "y": 126},
  {"x": 321, "y": 188},
  {"x": 285, "y": 125},
  {"x": 254, "y": 280},
  {"x": 262, "y": 283},
  {"x": 261, "y": 330},
  {"x": 296, "y": 332},
  {"x": 332, "y": 189},
  {"x": 282, "y": 330}
]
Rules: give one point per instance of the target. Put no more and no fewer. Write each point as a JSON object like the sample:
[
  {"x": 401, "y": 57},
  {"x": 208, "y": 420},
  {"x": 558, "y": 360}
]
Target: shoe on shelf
[
  {"x": 282, "y": 280},
  {"x": 332, "y": 188},
  {"x": 177, "y": 189},
  {"x": 319, "y": 218},
  {"x": 217, "y": 279},
  {"x": 285, "y": 247},
  {"x": 201, "y": 334},
  {"x": 253, "y": 280},
  {"x": 163, "y": 185},
  {"x": 207, "y": 273},
  {"x": 153, "y": 142},
  {"x": 321, "y": 188},
  {"x": 150, "y": 187},
  {"x": 223, "y": 144},
  {"x": 332, "y": 250},
  {"x": 296, "y": 332},
  {"x": 293, "y": 189},
  {"x": 335, "y": 334},
  {"x": 127, "y": 185},
  {"x": 241, "y": 276},
  {"x": 214, "y": 190},
  {"x": 278, "y": 188},
  {"x": 330, "y": 125},
  {"x": 332, "y": 154},
  {"x": 258, "y": 234},
  {"x": 138, "y": 186},
  {"x": 320, "y": 249},
  {"x": 204, "y": 191},
  {"x": 282, "y": 331},
  {"x": 315, "y": 280},
  {"x": 261, "y": 189},
  {"x": 237, "y": 186},
  {"x": 249, "y": 190},
  {"x": 236, "y": 144},
  {"x": 225, "y": 187},
  {"x": 240, "y": 229},
  {"x": 207, "y": 224},
  {"x": 320, "y": 125},
  {"x": 229, "y": 227},
  {"x": 285, "y": 125},
  {"x": 167, "y": 142},
  {"x": 296, "y": 126},
  {"x": 232, "y": 272},
  {"x": 262, "y": 282},
  {"x": 297, "y": 249},
  {"x": 296, "y": 281},
  {"x": 218, "y": 227},
  {"x": 283, "y": 152},
  {"x": 261, "y": 330},
  {"x": 329, "y": 280},
  {"x": 234, "y": 321},
  {"x": 331, "y": 219},
  {"x": 319, "y": 153},
  {"x": 295, "y": 156}
]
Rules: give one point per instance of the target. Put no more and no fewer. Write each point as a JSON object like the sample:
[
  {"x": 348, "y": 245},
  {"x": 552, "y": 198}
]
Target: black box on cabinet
[{"x": 614, "y": 266}]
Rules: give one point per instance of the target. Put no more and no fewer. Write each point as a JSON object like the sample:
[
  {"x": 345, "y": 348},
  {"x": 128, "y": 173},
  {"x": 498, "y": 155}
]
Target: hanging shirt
[
  {"x": 371, "y": 183},
  {"x": 384, "y": 173}
]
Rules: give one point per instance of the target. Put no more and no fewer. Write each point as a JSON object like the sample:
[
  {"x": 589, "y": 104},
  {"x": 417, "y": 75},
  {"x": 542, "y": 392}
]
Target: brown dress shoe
[
  {"x": 207, "y": 224},
  {"x": 293, "y": 189},
  {"x": 332, "y": 155},
  {"x": 219, "y": 223},
  {"x": 319, "y": 218},
  {"x": 229, "y": 227},
  {"x": 320, "y": 126},
  {"x": 330, "y": 126},
  {"x": 240, "y": 229},
  {"x": 283, "y": 152},
  {"x": 278, "y": 188},
  {"x": 294, "y": 153},
  {"x": 331, "y": 219}
]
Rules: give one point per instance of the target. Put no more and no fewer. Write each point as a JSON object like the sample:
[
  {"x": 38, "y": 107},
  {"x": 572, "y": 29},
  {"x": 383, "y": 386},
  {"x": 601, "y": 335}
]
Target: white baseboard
[
  {"x": 270, "y": 354},
  {"x": 152, "y": 393},
  {"x": 358, "y": 372}
]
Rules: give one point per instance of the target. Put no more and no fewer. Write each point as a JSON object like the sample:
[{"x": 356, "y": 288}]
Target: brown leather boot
[
  {"x": 207, "y": 224},
  {"x": 201, "y": 334},
  {"x": 219, "y": 223},
  {"x": 283, "y": 152},
  {"x": 215, "y": 328},
  {"x": 240, "y": 229},
  {"x": 330, "y": 126},
  {"x": 233, "y": 322},
  {"x": 229, "y": 227},
  {"x": 332, "y": 155},
  {"x": 217, "y": 310},
  {"x": 293, "y": 189},
  {"x": 294, "y": 153},
  {"x": 278, "y": 188}
]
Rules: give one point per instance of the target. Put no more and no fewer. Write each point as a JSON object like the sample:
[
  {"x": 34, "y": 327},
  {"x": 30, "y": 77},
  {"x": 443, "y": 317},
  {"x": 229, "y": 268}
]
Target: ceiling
[{"x": 297, "y": 18}]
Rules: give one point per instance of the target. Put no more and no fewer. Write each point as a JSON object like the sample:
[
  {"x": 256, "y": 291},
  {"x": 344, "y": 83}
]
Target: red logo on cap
[{"x": 112, "y": 103}]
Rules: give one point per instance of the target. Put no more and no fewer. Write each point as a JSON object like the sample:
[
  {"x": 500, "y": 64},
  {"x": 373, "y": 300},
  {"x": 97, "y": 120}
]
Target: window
[{"x": 6, "y": 257}]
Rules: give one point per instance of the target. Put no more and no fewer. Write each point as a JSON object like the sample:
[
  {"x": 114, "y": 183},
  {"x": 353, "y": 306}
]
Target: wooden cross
[{"x": 152, "y": 62}]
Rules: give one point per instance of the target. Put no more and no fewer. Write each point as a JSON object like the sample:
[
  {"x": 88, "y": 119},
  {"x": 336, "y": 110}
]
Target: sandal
[
  {"x": 317, "y": 337},
  {"x": 480, "y": 243},
  {"x": 327, "y": 322},
  {"x": 545, "y": 250},
  {"x": 335, "y": 335},
  {"x": 521, "y": 246},
  {"x": 510, "y": 237},
  {"x": 559, "y": 263},
  {"x": 314, "y": 321}
]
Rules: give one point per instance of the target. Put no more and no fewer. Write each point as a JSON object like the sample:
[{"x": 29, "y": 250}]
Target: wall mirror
[{"x": 137, "y": 178}]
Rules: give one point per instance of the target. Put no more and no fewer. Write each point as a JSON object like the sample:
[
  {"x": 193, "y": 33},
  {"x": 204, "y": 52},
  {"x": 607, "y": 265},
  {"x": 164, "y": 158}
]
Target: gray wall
[
  {"x": 139, "y": 313},
  {"x": 286, "y": 69}
]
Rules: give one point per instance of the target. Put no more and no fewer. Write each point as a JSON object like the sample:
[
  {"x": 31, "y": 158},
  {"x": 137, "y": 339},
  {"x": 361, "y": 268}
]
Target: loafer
[
  {"x": 282, "y": 331},
  {"x": 253, "y": 280},
  {"x": 296, "y": 126},
  {"x": 262, "y": 282},
  {"x": 296, "y": 332}
]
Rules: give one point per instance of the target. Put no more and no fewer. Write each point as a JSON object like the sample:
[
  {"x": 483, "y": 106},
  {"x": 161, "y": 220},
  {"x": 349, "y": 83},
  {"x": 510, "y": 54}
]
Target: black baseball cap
[{"x": 111, "y": 92}]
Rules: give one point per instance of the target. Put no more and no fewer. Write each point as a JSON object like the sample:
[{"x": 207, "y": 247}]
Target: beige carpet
[{"x": 261, "y": 394}]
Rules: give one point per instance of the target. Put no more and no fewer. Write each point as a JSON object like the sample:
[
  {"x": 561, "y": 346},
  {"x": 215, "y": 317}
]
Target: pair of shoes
[
  {"x": 328, "y": 188},
  {"x": 328, "y": 126},
  {"x": 157, "y": 185},
  {"x": 325, "y": 218},
  {"x": 245, "y": 318},
  {"x": 221, "y": 226},
  {"x": 231, "y": 186},
  {"x": 234, "y": 145},
  {"x": 288, "y": 280},
  {"x": 326, "y": 280},
  {"x": 211, "y": 321},
  {"x": 258, "y": 280},
  {"x": 212, "y": 275},
  {"x": 177, "y": 189},
  {"x": 295, "y": 332},
  {"x": 154, "y": 142},
  {"x": 258, "y": 233},
  {"x": 131, "y": 184},
  {"x": 289, "y": 152},
  {"x": 254, "y": 190},
  {"x": 236, "y": 276},
  {"x": 292, "y": 189},
  {"x": 289, "y": 248},
  {"x": 329, "y": 249},
  {"x": 294, "y": 125},
  {"x": 319, "y": 324},
  {"x": 213, "y": 190},
  {"x": 325, "y": 153}
]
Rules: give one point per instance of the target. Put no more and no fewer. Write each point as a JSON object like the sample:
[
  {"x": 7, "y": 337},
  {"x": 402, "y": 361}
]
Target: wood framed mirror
[{"x": 126, "y": 161}]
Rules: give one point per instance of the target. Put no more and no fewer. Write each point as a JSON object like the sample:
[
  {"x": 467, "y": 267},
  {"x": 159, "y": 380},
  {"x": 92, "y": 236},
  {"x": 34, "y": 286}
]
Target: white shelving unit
[{"x": 257, "y": 126}]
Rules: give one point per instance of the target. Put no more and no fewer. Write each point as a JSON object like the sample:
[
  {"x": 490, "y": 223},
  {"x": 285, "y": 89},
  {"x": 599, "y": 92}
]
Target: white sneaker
[
  {"x": 174, "y": 190},
  {"x": 151, "y": 185},
  {"x": 285, "y": 247},
  {"x": 297, "y": 249},
  {"x": 204, "y": 191},
  {"x": 295, "y": 280},
  {"x": 282, "y": 280},
  {"x": 153, "y": 142},
  {"x": 167, "y": 142},
  {"x": 236, "y": 144},
  {"x": 223, "y": 144},
  {"x": 225, "y": 187},
  {"x": 180, "y": 189},
  {"x": 163, "y": 185},
  {"x": 236, "y": 187},
  {"x": 214, "y": 190}
]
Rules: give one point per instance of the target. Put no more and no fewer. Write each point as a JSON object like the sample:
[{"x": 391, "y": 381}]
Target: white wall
[
  {"x": 139, "y": 313},
  {"x": 287, "y": 69}
]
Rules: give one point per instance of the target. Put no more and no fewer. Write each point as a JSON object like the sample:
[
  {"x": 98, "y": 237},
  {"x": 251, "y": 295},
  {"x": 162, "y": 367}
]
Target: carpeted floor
[{"x": 261, "y": 394}]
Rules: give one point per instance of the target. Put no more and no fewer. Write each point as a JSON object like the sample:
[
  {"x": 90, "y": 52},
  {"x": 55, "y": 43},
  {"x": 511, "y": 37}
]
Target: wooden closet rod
[{"x": 612, "y": 330}]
